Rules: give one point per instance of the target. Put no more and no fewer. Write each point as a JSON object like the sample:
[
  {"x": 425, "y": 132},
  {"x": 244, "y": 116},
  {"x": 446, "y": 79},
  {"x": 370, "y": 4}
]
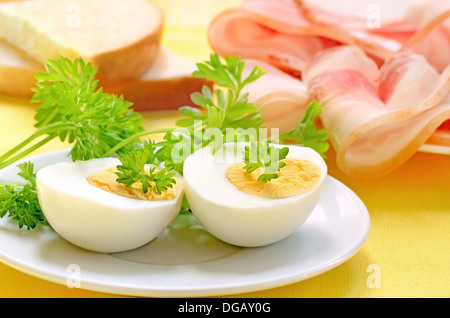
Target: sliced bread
[
  {"x": 120, "y": 37},
  {"x": 168, "y": 84}
]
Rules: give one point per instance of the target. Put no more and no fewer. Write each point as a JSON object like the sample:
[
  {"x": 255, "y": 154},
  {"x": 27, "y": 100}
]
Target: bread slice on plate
[
  {"x": 167, "y": 84},
  {"x": 120, "y": 37}
]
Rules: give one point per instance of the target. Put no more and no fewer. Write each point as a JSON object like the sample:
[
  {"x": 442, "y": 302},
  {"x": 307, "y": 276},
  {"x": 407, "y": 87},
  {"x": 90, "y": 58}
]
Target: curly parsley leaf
[
  {"x": 73, "y": 108},
  {"x": 306, "y": 132},
  {"x": 133, "y": 170},
  {"x": 263, "y": 155},
  {"x": 225, "y": 106},
  {"x": 19, "y": 200}
]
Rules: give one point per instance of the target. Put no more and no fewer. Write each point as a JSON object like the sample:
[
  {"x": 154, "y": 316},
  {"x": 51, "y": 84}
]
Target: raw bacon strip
[
  {"x": 234, "y": 32},
  {"x": 351, "y": 58},
  {"x": 432, "y": 19},
  {"x": 272, "y": 31},
  {"x": 424, "y": 27},
  {"x": 321, "y": 16},
  {"x": 407, "y": 78},
  {"x": 375, "y": 126},
  {"x": 285, "y": 16},
  {"x": 299, "y": 17},
  {"x": 351, "y": 29},
  {"x": 398, "y": 94},
  {"x": 278, "y": 32},
  {"x": 283, "y": 98},
  {"x": 381, "y": 42}
]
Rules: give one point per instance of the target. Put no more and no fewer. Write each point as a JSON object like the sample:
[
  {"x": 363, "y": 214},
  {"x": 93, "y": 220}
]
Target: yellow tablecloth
[{"x": 409, "y": 242}]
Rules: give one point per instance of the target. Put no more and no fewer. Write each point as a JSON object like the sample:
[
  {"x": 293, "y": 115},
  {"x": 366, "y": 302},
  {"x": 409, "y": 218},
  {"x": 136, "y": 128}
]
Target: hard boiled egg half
[
  {"x": 83, "y": 204},
  {"x": 240, "y": 210}
]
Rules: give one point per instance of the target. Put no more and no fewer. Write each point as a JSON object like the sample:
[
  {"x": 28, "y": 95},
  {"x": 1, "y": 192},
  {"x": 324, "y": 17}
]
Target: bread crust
[
  {"x": 129, "y": 62},
  {"x": 161, "y": 92},
  {"x": 119, "y": 56},
  {"x": 148, "y": 95}
]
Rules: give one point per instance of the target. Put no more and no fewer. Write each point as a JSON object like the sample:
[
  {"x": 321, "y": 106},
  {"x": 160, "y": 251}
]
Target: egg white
[
  {"x": 235, "y": 216},
  {"x": 93, "y": 218}
]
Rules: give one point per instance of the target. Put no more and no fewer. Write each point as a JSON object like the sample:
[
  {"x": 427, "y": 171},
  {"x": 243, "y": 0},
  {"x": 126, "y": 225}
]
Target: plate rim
[
  {"x": 192, "y": 291},
  {"x": 435, "y": 149}
]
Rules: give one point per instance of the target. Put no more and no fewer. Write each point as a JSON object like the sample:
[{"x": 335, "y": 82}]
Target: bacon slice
[
  {"x": 377, "y": 119},
  {"x": 236, "y": 32},
  {"x": 380, "y": 39},
  {"x": 283, "y": 98},
  {"x": 424, "y": 28},
  {"x": 275, "y": 32},
  {"x": 286, "y": 32},
  {"x": 432, "y": 40},
  {"x": 385, "y": 90}
]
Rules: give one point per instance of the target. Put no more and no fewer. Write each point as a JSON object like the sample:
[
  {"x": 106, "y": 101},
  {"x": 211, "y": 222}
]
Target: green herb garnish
[
  {"x": 306, "y": 132},
  {"x": 73, "y": 109},
  {"x": 262, "y": 155},
  {"x": 132, "y": 170},
  {"x": 19, "y": 200},
  {"x": 227, "y": 106}
]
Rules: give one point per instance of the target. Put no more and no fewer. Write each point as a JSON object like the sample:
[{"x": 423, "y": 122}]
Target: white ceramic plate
[
  {"x": 185, "y": 261},
  {"x": 435, "y": 149}
]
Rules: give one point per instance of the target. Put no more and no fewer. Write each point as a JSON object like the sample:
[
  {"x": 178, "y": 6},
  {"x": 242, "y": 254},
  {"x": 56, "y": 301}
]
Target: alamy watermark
[
  {"x": 373, "y": 20},
  {"x": 374, "y": 278},
  {"x": 73, "y": 20},
  {"x": 190, "y": 140},
  {"x": 73, "y": 279}
]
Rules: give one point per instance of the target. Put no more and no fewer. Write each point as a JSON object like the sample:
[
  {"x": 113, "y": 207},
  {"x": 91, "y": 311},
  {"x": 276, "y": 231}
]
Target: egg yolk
[
  {"x": 296, "y": 177},
  {"x": 106, "y": 180}
]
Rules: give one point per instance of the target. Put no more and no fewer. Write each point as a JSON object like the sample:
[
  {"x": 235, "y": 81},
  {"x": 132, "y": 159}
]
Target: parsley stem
[
  {"x": 17, "y": 148},
  {"x": 49, "y": 118},
  {"x": 136, "y": 137},
  {"x": 52, "y": 130},
  {"x": 26, "y": 152}
]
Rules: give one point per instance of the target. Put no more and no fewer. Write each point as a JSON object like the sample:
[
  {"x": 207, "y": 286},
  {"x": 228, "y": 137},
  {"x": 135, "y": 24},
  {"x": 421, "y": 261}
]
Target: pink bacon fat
[
  {"x": 377, "y": 120},
  {"x": 286, "y": 33},
  {"x": 235, "y": 32},
  {"x": 282, "y": 98},
  {"x": 385, "y": 90}
]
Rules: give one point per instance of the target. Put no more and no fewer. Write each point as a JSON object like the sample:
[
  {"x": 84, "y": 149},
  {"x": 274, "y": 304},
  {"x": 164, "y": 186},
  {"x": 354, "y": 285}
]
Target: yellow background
[{"x": 409, "y": 240}]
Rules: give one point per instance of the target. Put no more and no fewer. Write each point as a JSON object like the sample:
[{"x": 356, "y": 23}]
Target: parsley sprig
[
  {"x": 263, "y": 155},
  {"x": 260, "y": 154},
  {"x": 227, "y": 106},
  {"x": 133, "y": 170},
  {"x": 306, "y": 132},
  {"x": 19, "y": 200},
  {"x": 73, "y": 108}
]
